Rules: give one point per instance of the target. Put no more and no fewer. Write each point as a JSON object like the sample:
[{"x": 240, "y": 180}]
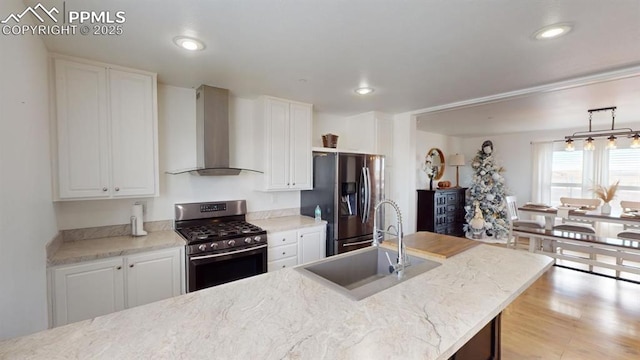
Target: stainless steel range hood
[{"x": 212, "y": 134}]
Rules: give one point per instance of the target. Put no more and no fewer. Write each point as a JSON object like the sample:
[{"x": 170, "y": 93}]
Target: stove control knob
[
  {"x": 214, "y": 245},
  {"x": 202, "y": 247},
  {"x": 247, "y": 240},
  {"x": 257, "y": 239},
  {"x": 231, "y": 242}
]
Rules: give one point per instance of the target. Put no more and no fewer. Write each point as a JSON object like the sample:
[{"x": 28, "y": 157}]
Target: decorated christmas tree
[{"x": 489, "y": 190}]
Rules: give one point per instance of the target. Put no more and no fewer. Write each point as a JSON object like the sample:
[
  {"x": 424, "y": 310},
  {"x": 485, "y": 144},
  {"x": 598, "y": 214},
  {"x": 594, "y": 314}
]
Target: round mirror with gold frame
[{"x": 435, "y": 160}]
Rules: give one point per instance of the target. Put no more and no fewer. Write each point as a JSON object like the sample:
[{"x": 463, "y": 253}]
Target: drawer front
[
  {"x": 451, "y": 208},
  {"x": 282, "y": 263},
  {"x": 452, "y": 198},
  {"x": 282, "y": 238},
  {"x": 281, "y": 252},
  {"x": 441, "y": 220}
]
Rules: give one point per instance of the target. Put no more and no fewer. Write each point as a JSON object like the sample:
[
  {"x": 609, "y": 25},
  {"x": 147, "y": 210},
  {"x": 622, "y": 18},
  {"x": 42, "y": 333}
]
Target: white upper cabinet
[
  {"x": 106, "y": 121},
  {"x": 301, "y": 155},
  {"x": 284, "y": 142},
  {"x": 83, "y": 129},
  {"x": 133, "y": 124}
]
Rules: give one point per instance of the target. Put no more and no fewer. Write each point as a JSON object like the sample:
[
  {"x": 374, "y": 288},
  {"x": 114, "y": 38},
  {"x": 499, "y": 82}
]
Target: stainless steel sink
[{"x": 362, "y": 273}]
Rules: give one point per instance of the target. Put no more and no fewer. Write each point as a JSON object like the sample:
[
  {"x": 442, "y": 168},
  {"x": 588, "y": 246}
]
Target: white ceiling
[
  {"x": 559, "y": 109},
  {"x": 416, "y": 54}
]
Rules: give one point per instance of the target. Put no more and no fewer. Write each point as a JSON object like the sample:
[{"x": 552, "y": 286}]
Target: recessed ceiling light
[
  {"x": 552, "y": 31},
  {"x": 188, "y": 43},
  {"x": 364, "y": 90}
]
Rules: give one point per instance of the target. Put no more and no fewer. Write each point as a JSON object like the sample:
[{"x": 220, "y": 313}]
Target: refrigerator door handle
[
  {"x": 362, "y": 203},
  {"x": 368, "y": 194}
]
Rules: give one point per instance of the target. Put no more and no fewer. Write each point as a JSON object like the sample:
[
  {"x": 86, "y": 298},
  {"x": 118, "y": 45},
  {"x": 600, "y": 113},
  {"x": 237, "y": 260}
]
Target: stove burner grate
[{"x": 220, "y": 231}]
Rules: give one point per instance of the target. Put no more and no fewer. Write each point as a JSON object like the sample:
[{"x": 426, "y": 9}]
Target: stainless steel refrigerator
[{"x": 347, "y": 187}]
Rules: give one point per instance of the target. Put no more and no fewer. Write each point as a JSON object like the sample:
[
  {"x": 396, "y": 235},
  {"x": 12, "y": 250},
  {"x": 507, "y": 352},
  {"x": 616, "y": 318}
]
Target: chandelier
[{"x": 611, "y": 135}]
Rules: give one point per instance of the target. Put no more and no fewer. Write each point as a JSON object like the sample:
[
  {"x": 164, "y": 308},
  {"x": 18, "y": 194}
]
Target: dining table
[{"x": 550, "y": 214}]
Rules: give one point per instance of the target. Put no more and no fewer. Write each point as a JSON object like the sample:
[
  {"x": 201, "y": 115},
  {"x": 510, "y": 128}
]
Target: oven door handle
[
  {"x": 227, "y": 253},
  {"x": 357, "y": 243}
]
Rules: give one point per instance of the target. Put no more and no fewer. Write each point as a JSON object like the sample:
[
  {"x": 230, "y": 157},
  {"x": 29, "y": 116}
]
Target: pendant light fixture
[
  {"x": 589, "y": 136},
  {"x": 569, "y": 145},
  {"x": 635, "y": 142},
  {"x": 589, "y": 145}
]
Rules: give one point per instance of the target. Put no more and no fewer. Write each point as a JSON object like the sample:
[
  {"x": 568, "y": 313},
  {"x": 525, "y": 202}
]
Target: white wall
[
  {"x": 360, "y": 133},
  {"x": 513, "y": 152},
  {"x": 328, "y": 123},
  {"x": 27, "y": 219},
  {"x": 403, "y": 189},
  {"x": 355, "y": 133},
  {"x": 177, "y": 134},
  {"x": 449, "y": 146}
]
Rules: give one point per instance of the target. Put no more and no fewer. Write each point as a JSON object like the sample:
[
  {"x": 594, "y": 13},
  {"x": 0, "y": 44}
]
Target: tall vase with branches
[
  {"x": 429, "y": 169},
  {"x": 606, "y": 194}
]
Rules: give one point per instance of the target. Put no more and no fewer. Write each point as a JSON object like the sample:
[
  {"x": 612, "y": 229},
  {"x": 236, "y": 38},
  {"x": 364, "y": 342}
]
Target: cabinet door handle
[
  {"x": 104, "y": 189},
  {"x": 294, "y": 184},
  {"x": 284, "y": 253},
  {"x": 117, "y": 189},
  {"x": 131, "y": 265},
  {"x": 118, "y": 267},
  {"x": 283, "y": 240}
]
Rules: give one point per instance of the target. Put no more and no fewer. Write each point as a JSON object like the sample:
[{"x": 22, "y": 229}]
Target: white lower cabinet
[
  {"x": 282, "y": 251},
  {"x": 89, "y": 289},
  {"x": 312, "y": 244},
  {"x": 153, "y": 276},
  {"x": 293, "y": 247},
  {"x": 86, "y": 290},
  {"x": 282, "y": 263}
]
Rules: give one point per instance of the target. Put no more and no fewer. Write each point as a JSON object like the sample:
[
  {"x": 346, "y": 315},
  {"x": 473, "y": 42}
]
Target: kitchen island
[{"x": 286, "y": 314}]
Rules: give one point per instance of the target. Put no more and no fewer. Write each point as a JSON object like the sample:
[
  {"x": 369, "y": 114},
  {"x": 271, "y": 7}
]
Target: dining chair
[
  {"x": 631, "y": 232},
  {"x": 578, "y": 225},
  {"x": 515, "y": 221}
]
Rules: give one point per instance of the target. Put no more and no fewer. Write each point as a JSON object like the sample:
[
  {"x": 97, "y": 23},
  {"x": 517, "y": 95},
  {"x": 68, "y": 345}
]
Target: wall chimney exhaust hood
[{"x": 212, "y": 134}]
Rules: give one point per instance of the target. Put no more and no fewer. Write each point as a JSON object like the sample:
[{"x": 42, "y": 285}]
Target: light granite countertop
[
  {"x": 83, "y": 250},
  {"x": 287, "y": 315},
  {"x": 285, "y": 223},
  {"x": 71, "y": 252}
]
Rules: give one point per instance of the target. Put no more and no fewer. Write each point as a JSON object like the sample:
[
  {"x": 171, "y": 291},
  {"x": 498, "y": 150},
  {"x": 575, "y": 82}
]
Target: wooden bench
[{"x": 554, "y": 242}]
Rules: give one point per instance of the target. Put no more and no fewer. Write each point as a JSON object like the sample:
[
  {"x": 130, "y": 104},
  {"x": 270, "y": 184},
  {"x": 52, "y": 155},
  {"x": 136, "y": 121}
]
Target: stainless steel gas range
[{"x": 221, "y": 245}]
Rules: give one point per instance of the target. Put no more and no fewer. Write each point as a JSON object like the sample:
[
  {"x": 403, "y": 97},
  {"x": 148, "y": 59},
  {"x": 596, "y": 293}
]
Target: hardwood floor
[{"x": 567, "y": 315}]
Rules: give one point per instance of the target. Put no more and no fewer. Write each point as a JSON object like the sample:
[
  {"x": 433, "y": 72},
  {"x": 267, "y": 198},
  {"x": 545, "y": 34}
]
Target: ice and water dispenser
[{"x": 348, "y": 199}]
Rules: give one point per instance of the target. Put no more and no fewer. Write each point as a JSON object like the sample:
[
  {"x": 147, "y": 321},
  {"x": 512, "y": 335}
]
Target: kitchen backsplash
[{"x": 267, "y": 214}]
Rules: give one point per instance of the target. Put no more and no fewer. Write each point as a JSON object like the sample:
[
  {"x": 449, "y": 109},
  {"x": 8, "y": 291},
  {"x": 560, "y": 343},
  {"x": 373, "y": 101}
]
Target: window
[
  {"x": 624, "y": 165},
  {"x": 558, "y": 173},
  {"x": 566, "y": 175}
]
